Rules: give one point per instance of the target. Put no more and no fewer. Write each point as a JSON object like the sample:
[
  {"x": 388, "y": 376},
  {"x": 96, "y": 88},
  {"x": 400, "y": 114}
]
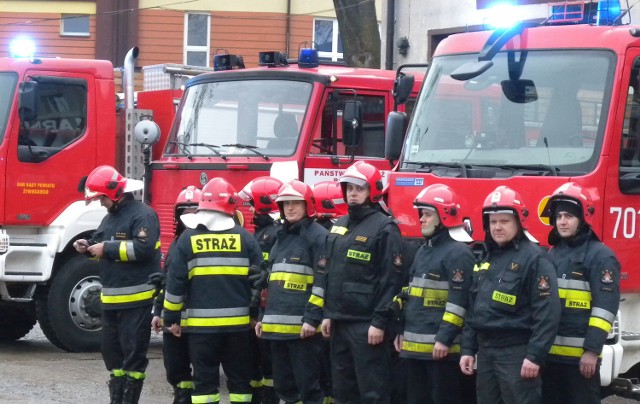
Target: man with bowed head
[
  {"x": 364, "y": 270},
  {"x": 514, "y": 306},
  {"x": 589, "y": 280}
]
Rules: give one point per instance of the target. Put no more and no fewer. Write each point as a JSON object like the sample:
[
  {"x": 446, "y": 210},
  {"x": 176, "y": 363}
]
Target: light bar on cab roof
[
  {"x": 608, "y": 12},
  {"x": 503, "y": 15},
  {"x": 308, "y": 58}
]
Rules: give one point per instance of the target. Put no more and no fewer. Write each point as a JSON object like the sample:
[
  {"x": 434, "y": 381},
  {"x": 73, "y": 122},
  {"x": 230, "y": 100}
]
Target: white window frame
[
  {"x": 64, "y": 17},
  {"x": 334, "y": 54},
  {"x": 188, "y": 48}
]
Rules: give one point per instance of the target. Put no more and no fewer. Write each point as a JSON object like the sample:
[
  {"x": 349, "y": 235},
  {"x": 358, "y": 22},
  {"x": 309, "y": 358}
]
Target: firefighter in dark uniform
[
  {"x": 437, "y": 300},
  {"x": 364, "y": 251},
  {"x": 293, "y": 312},
  {"x": 589, "y": 282},
  {"x": 127, "y": 246},
  {"x": 176, "y": 349},
  {"x": 209, "y": 275},
  {"x": 261, "y": 194},
  {"x": 514, "y": 307}
]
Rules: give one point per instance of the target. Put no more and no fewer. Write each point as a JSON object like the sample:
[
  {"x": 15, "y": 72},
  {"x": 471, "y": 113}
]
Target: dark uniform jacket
[
  {"x": 364, "y": 251},
  {"x": 131, "y": 236},
  {"x": 266, "y": 236},
  {"x": 438, "y": 297},
  {"x": 513, "y": 300},
  {"x": 296, "y": 288},
  {"x": 208, "y": 274},
  {"x": 589, "y": 284}
]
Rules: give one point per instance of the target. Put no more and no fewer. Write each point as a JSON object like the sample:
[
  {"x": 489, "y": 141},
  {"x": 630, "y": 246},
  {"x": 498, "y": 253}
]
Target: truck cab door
[
  {"x": 327, "y": 157},
  {"x": 50, "y": 151}
]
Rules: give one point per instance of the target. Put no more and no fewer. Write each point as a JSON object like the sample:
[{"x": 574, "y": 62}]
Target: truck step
[
  {"x": 630, "y": 335},
  {"x": 629, "y": 388}
]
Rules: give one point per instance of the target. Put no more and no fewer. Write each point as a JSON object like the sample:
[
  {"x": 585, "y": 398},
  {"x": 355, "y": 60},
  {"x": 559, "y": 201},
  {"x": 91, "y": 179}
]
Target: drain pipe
[
  {"x": 288, "y": 29},
  {"x": 391, "y": 16},
  {"x": 129, "y": 68}
]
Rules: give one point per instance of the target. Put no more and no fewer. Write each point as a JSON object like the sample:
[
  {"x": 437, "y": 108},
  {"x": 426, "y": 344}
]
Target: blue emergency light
[
  {"x": 608, "y": 12},
  {"x": 22, "y": 48},
  {"x": 227, "y": 62},
  {"x": 503, "y": 15},
  {"x": 308, "y": 58}
]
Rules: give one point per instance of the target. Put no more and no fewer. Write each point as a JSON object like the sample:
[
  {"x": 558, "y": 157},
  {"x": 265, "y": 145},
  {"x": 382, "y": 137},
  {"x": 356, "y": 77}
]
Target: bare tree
[{"x": 359, "y": 31}]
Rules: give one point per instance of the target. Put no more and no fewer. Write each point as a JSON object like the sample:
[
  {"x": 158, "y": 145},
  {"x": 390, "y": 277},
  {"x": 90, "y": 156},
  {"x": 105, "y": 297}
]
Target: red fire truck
[
  {"x": 532, "y": 107},
  {"x": 58, "y": 121}
]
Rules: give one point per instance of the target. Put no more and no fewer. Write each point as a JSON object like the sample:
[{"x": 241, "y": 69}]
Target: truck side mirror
[
  {"x": 352, "y": 123},
  {"x": 402, "y": 87},
  {"x": 28, "y": 101},
  {"x": 396, "y": 127}
]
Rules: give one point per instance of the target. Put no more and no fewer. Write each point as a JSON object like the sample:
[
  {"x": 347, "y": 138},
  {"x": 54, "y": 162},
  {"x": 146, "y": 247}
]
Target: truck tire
[
  {"x": 69, "y": 312},
  {"x": 16, "y": 320}
]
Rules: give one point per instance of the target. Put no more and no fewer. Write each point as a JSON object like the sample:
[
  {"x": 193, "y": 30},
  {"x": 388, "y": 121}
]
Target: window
[
  {"x": 74, "y": 25},
  {"x": 630, "y": 143},
  {"x": 196, "y": 36},
  {"x": 327, "y": 37}
]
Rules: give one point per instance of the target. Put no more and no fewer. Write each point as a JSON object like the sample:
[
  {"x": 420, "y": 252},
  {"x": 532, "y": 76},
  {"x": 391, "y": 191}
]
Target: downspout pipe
[
  {"x": 391, "y": 16},
  {"x": 129, "y": 68},
  {"x": 288, "y": 29}
]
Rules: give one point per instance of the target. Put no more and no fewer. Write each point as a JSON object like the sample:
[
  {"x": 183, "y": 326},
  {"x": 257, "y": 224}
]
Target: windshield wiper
[
  {"x": 528, "y": 167},
  {"x": 183, "y": 148},
  {"x": 211, "y": 147},
  {"x": 248, "y": 147},
  {"x": 449, "y": 164}
]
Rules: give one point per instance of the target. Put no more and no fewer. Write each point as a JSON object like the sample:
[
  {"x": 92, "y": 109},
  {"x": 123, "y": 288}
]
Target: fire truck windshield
[
  {"x": 249, "y": 118},
  {"x": 539, "y": 111},
  {"x": 7, "y": 88}
]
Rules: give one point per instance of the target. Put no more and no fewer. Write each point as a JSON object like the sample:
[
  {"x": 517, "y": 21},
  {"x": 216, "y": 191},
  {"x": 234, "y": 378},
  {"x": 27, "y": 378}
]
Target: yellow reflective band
[
  {"x": 338, "y": 230},
  {"x": 118, "y": 372},
  {"x": 218, "y": 270},
  {"x": 187, "y": 384},
  {"x": 578, "y": 304},
  {"x": 482, "y": 267},
  {"x": 359, "y": 255},
  {"x": 217, "y": 322},
  {"x": 566, "y": 351},
  {"x": 291, "y": 277},
  {"x": 136, "y": 375},
  {"x": 504, "y": 298},
  {"x": 136, "y": 297},
  {"x": 573, "y": 294},
  {"x": 206, "y": 398},
  {"x": 122, "y": 251},
  {"x": 281, "y": 328},
  {"x": 600, "y": 323},
  {"x": 240, "y": 398},
  {"x": 183, "y": 322},
  {"x": 316, "y": 301},
  {"x": 216, "y": 243},
  {"x": 256, "y": 383},
  {"x": 438, "y": 294},
  {"x": 267, "y": 382},
  {"x": 158, "y": 244},
  {"x": 173, "y": 306},
  {"x": 265, "y": 256},
  {"x": 425, "y": 348},
  {"x": 453, "y": 319}
]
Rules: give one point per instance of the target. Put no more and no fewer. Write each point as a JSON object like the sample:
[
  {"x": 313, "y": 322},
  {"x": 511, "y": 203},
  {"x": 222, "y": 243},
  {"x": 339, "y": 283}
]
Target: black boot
[
  {"x": 115, "y": 389},
  {"x": 181, "y": 395},
  {"x": 269, "y": 395},
  {"x": 256, "y": 395},
  {"x": 132, "y": 390}
]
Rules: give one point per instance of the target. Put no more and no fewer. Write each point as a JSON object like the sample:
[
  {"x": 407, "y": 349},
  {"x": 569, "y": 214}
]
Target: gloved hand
[
  {"x": 157, "y": 279},
  {"x": 398, "y": 302},
  {"x": 258, "y": 277}
]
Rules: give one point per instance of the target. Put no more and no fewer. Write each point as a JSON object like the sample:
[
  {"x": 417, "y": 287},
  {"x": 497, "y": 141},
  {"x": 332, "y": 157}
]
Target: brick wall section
[{"x": 44, "y": 29}]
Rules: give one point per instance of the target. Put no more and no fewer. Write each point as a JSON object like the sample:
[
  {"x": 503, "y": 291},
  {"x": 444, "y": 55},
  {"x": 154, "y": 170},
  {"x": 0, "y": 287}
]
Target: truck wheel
[
  {"x": 16, "y": 320},
  {"x": 70, "y": 313}
]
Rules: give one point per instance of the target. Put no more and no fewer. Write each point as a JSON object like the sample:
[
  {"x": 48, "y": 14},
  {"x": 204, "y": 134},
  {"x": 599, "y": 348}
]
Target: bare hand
[
  {"x": 466, "y": 364},
  {"x": 326, "y": 327},
  {"x": 176, "y": 330},
  {"x": 397, "y": 343},
  {"x": 529, "y": 370},
  {"x": 588, "y": 364},
  {"x": 97, "y": 250},
  {"x": 440, "y": 350},
  {"x": 156, "y": 324},
  {"x": 307, "y": 331},
  {"x": 81, "y": 245},
  {"x": 258, "y": 329},
  {"x": 376, "y": 335}
]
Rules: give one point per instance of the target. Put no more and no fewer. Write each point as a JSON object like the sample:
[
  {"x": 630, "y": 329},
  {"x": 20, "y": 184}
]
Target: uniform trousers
[
  {"x": 175, "y": 352},
  {"x": 562, "y": 383},
  {"x": 125, "y": 339},
  {"x": 433, "y": 381},
  {"x": 359, "y": 371},
  {"x": 297, "y": 368}
]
